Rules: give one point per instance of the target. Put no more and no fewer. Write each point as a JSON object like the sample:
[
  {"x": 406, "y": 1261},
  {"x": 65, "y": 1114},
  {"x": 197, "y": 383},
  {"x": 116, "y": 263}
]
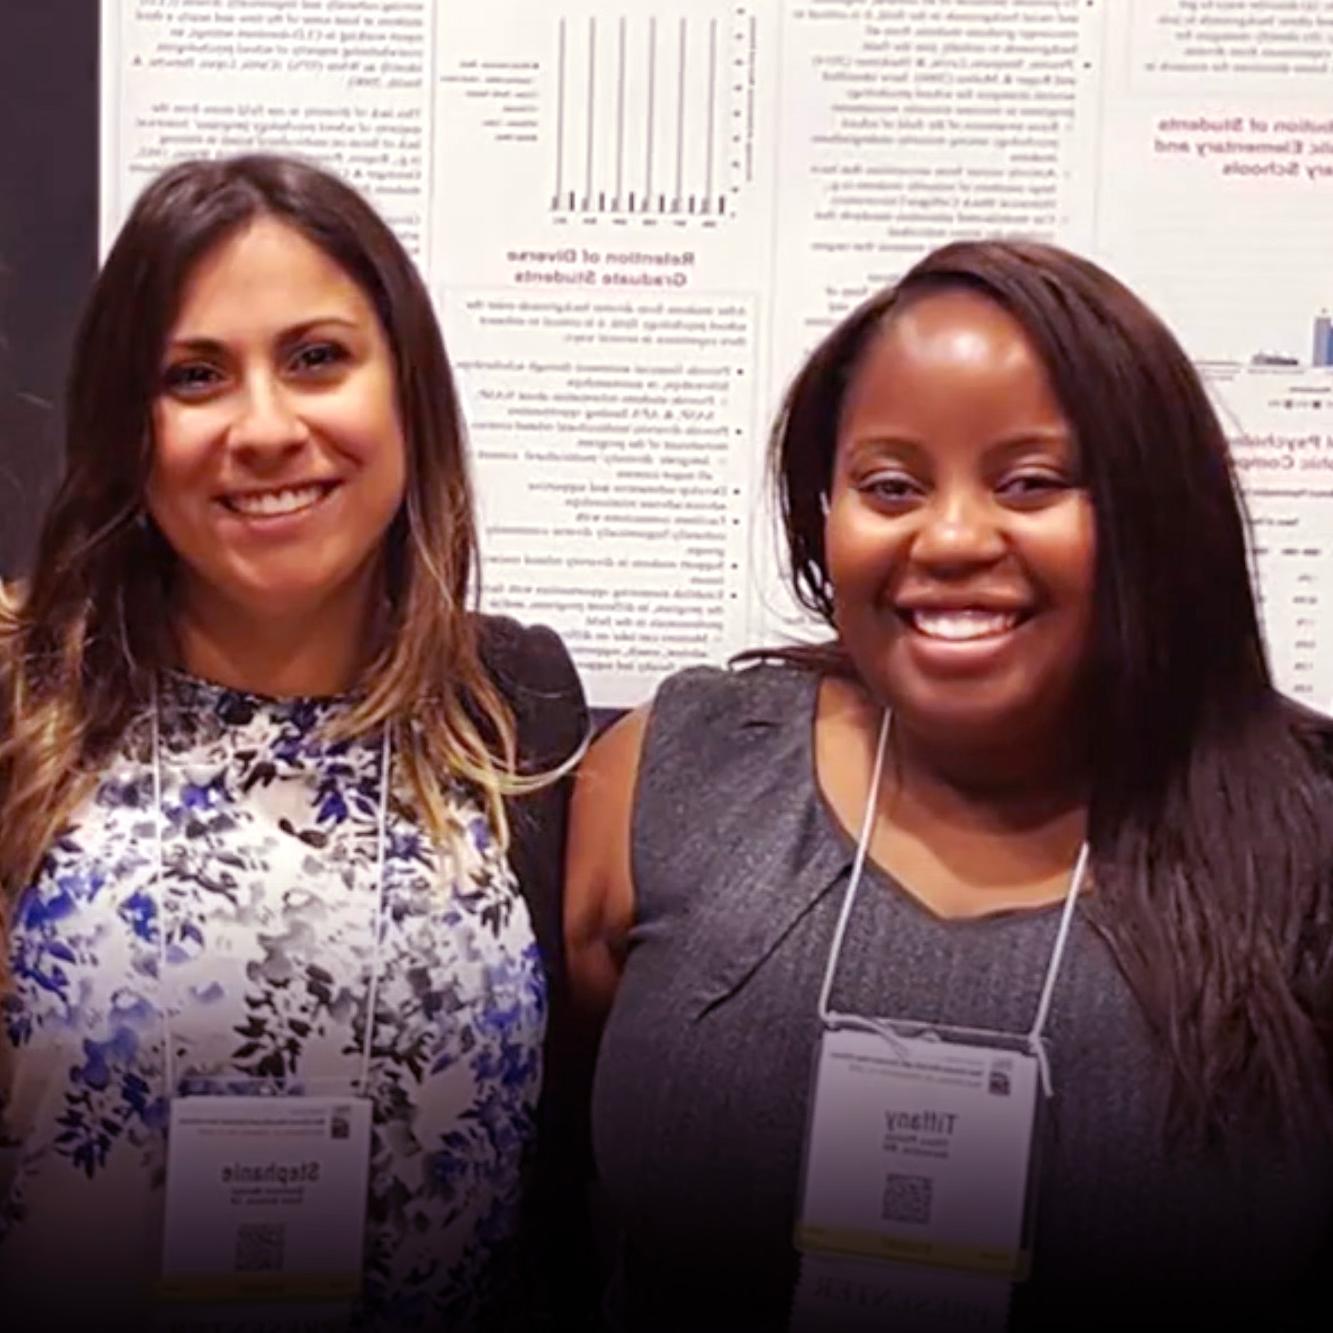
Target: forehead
[
  {"x": 266, "y": 273},
  {"x": 950, "y": 359}
]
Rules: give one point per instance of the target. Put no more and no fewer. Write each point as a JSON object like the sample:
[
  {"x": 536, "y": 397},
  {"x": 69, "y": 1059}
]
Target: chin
[
  {"x": 303, "y": 581},
  {"x": 287, "y": 597},
  {"x": 966, "y": 714}
]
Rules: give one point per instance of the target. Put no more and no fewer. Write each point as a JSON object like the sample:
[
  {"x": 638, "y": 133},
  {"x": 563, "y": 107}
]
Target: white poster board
[{"x": 636, "y": 219}]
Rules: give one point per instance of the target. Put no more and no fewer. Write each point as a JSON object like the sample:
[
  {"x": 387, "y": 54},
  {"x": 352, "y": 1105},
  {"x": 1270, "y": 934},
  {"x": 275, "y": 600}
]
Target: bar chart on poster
[
  {"x": 637, "y": 219},
  {"x": 643, "y": 115}
]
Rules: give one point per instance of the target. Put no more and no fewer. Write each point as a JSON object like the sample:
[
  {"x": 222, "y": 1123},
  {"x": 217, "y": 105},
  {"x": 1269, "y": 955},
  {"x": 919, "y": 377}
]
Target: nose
[
  {"x": 960, "y": 528},
  {"x": 267, "y": 424}
]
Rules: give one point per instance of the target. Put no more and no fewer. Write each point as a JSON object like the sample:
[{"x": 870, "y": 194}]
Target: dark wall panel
[{"x": 48, "y": 242}]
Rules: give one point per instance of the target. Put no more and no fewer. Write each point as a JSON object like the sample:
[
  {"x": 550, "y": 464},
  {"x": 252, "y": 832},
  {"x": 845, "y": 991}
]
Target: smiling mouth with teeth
[
  {"x": 961, "y": 625},
  {"x": 276, "y": 504}
]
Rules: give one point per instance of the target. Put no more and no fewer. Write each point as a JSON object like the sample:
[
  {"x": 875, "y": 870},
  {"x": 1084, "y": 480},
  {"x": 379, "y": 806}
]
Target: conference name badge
[
  {"x": 917, "y": 1150},
  {"x": 265, "y": 1198}
]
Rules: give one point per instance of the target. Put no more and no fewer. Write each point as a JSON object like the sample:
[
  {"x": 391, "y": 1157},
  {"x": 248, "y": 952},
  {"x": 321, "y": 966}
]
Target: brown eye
[
  {"x": 190, "y": 378},
  {"x": 890, "y": 488},
  {"x": 315, "y": 358},
  {"x": 1032, "y": 486}
]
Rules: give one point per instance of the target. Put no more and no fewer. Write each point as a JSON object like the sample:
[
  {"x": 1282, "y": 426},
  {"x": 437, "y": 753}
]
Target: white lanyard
[
  {"x": 159, "y": 880},
  {"x": 828, "y": 1018}
]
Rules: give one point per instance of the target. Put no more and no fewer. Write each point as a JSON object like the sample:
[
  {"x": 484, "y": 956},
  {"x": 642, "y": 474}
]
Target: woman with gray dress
[{"x": 982, "y": 954}]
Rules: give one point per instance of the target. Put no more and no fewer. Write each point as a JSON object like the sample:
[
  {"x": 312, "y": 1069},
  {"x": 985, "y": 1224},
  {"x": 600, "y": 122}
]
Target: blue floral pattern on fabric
[{"x": 267, "y": 897}]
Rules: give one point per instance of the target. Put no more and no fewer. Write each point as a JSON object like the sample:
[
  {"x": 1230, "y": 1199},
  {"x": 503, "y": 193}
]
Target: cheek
[
  {"x": 860, "y": 574},
  {"x": 842, "y": 537},
  {"x": 179, "y": 459},
  {"x": 392, "y": 462},
  {"x": 1082, "y": 552},
  {"x": 369, "y": 426},
  {"x": 861, "y": 553},
  {"x": 1070, "y": 560}
]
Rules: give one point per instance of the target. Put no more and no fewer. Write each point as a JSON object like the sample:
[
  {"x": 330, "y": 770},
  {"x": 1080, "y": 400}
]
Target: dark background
[{"x": 48, "y": 242}]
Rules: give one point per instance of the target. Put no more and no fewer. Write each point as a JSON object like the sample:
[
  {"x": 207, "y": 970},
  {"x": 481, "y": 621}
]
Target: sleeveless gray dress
[{"x": 700, "y": 1095}]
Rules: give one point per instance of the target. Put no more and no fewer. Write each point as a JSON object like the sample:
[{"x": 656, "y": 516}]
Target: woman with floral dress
[{"x": 280, "y": 813}]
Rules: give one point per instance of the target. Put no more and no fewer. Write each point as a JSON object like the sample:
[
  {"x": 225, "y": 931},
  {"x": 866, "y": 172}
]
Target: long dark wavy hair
[
  {"x": 82, "y": 642},
  {"x": 1211, "y": 813}
]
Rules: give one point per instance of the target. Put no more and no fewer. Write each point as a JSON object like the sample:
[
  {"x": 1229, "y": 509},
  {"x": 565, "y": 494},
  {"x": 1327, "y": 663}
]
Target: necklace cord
[{"x": 1035, "y": 1036}]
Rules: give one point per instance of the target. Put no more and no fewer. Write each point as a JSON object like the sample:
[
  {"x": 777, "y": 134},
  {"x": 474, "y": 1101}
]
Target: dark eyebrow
[
  {"x": 298, "y": 331},
  {"x": 876, "y": 445},
  {"x": 1042, "y": 435},
  {"x": 1055, "y": 437},
  {"x": 884, "y": 441},
  {"x": 1000, "y": 452},
  {"x": 212, "y": 347},
  {"x": 202, "y": 346}
]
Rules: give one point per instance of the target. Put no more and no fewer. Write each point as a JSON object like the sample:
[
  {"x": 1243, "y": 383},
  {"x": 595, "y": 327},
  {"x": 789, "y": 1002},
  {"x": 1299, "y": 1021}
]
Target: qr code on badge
[
  {"x": 259, "y": 1247},
  {"x": 907, "y": 1198}
]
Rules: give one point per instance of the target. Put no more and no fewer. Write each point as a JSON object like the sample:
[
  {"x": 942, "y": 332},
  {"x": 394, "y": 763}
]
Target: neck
[
  {"x": 968, "y": 831},
  {"x": 1020, "y": 782},
  {"x": 314, "y": 650},
  {"x": 1011, "y": 785}
]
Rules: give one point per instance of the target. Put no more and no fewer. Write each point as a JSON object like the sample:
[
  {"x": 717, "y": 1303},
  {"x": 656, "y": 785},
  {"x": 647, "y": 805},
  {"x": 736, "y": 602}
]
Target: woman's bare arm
[{"x": 599, "y": 883}]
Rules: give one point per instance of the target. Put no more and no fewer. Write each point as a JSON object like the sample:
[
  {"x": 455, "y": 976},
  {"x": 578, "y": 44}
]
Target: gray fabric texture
[{"x": 700, "y": 1095}]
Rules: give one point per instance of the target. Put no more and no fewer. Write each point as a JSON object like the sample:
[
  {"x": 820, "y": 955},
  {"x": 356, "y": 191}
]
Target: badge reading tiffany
[{"x": 919, "y": 1141}]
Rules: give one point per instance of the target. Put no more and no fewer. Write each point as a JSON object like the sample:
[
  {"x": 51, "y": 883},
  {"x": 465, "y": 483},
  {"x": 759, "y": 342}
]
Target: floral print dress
[{"x": 269, "y": 887}]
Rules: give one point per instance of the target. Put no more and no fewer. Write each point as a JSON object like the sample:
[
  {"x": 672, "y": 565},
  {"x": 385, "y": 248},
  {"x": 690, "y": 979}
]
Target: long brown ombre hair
[
  {"x": 1211, "y": 812},
  {"x": 82, "y": 644}
]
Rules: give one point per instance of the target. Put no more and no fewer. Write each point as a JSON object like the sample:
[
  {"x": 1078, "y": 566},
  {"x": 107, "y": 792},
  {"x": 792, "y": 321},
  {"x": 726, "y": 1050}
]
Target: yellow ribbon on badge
[{"x": 874, "y": 1245}]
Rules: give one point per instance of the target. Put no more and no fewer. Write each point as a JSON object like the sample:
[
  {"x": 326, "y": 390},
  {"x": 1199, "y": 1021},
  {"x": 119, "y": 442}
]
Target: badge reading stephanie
[{"x": 266, "y": 1198}]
